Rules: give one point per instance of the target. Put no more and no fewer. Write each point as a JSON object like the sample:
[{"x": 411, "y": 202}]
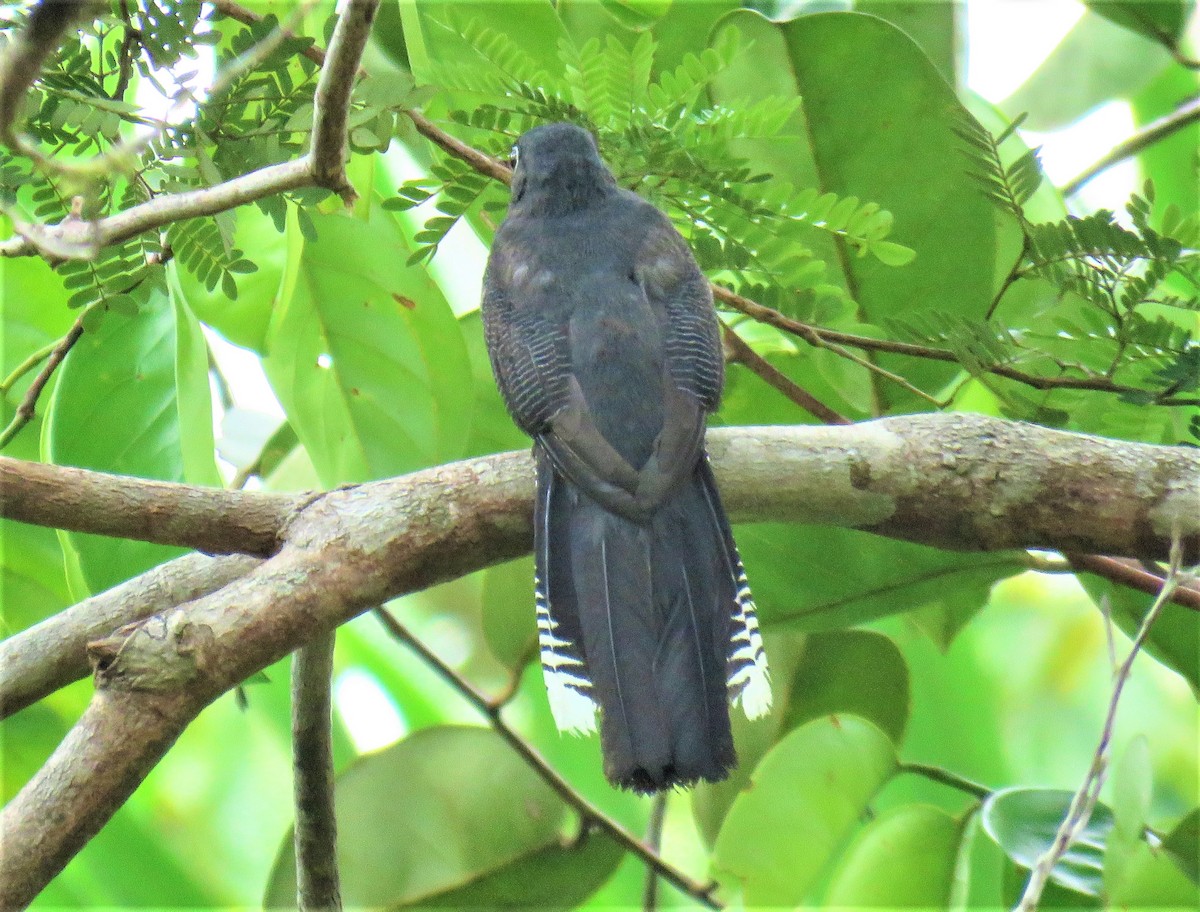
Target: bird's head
[{"x": 557, "y": 168}]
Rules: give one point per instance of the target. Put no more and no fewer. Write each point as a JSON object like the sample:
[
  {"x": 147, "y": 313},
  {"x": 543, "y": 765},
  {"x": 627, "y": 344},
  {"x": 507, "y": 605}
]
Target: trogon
[{"x": 606, "y": 348}]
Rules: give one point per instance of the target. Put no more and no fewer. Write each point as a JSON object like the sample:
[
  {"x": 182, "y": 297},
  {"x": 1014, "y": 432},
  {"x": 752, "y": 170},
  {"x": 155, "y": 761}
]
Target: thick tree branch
[
  {"x": 52, "y": 654},
  {"x": 213, "y": 520},
  {"x": 954, "y": 479},
  {"x": 958, "y": 481}
]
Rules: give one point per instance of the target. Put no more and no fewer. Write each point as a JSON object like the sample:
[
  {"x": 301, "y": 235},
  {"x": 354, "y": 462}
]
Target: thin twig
[
  {"x": 1128, "y": 573},
  {"x": 946, "y": 777},
  {"x": 1080, "y": 810},
  {"x": 484, "y": 164},
  {"x": 1185, "y": 114},
  {"x": 588, "y": 812},
  {"x": 318, "y": 884},
  {"x": 1013, "y": 274},
  {"x": 27, "y": 365},
  {"x": 743, "y": 354},
  {"x": 658, "y": 814},
  {"x": 246, "y": 16},
  {"x": 28, "y": 407}
]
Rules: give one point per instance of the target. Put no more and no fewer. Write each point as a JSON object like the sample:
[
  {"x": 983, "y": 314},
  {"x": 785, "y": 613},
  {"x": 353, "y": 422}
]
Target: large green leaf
[
  {"x": 133, "y": 398},
  {"x": 842, "y": 672},
  {"x": 807, "y": 797},
  {"x": 433, "y": 31},
  {"x": 904, "y": 858},
  {"x": 244, "y": 320},
  {"x": 877, "y": 123},
  {"x": 452, "y": 815},
  {"x": 31, "y": 317},
  {"x": 1024, "y": 821},
  {"x": 1096, "y": 61},
  {"x": 887, "y": 576},
  {"x": 858, "y": 672},
  {"x": 1161, "y": 20},
  {"x": 1171, "y": 160},
  {"x": 1183, "y": 845},
  {"x": 367, "y": 358},
  {"x": 935, "y": 27}
]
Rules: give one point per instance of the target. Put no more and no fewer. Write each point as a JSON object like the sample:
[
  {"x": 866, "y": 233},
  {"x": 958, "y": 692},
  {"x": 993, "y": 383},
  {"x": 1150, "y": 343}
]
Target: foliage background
[{"x": 369, "y": 342}]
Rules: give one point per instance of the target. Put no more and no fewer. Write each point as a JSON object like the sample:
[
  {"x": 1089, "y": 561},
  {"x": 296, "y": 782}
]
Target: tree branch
[
  {"x": 323, "y": 166},
  {"x": 28, "y": 407},
  {"x": 52, "y": 654},
  {"x": 955, "y": 479},
  {"x": 1185, "y": 114},
  {"x": 741, "y": 353},
  {"x": 318, "y": 884},
  {"x": 1128, "y": 573},
  {"x": 23, "y": 58},
  {"x": 332, "y": 99},
  {"x": 213, "y": 520},
  {"x": 952, "y": 480}
]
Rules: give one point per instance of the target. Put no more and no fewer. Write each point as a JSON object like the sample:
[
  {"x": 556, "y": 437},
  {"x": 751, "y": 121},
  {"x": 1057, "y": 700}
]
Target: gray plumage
[{"x": 605, "y": 345}]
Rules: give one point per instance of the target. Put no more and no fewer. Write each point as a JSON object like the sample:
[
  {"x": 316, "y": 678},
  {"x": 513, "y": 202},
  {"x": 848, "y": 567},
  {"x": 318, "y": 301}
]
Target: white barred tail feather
[{"x": 636, "y": 605}]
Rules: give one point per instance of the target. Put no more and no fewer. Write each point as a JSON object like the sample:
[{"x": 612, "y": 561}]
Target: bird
[{"x": 605, "y": 345}]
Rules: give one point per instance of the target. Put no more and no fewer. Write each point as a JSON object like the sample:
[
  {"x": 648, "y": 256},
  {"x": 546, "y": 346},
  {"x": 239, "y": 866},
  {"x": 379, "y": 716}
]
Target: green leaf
[
  {"x": 636, "y": 14},
  {"x": 934, "y": 27},
  {"x": 807, "y": 797},
  {"x": 366, "y": 356},
  {"x": 855, "y": 672},
  {"x": 1183, "y": 845},
  {"x": 1154, "y": 879},
  {"x": 1096, "y": 61},
  {"x": 508, "y": 617},
  {"x": 889, "y": 576},
  {"x": 904, "y": 858},
  {"x": 1172, "y": 159},
  {"x": 1132, "y": 781},
  {"x": 243, "y": 319},
  {"x": 1161, "y": 20},
  {"x": 877, "y": 123},
  {"x": 452, "y": 815},
  {"x": 1024, "y": 821},
  {"x": 133, "y": 398}
]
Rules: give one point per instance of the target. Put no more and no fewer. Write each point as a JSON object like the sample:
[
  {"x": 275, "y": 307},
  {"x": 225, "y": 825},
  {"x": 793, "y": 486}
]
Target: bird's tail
[{"x": 649, "y": 624}]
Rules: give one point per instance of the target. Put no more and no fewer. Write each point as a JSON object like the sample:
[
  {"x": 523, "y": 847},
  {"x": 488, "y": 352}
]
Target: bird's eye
[{"x": 513, "y": 155}]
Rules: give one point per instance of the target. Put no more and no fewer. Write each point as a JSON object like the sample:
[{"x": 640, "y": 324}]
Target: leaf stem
[{"x": 946, "y": 777}]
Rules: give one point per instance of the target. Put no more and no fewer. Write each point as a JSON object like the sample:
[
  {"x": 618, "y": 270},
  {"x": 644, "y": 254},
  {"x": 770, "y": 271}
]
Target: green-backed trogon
[{"x": 606, "y": 349}]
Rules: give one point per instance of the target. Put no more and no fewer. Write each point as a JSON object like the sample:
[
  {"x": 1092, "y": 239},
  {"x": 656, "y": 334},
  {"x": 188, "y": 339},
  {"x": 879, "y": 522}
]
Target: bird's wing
[
  {"x": 530, "y": 356},
  {"x": 674, "y": 284}
]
